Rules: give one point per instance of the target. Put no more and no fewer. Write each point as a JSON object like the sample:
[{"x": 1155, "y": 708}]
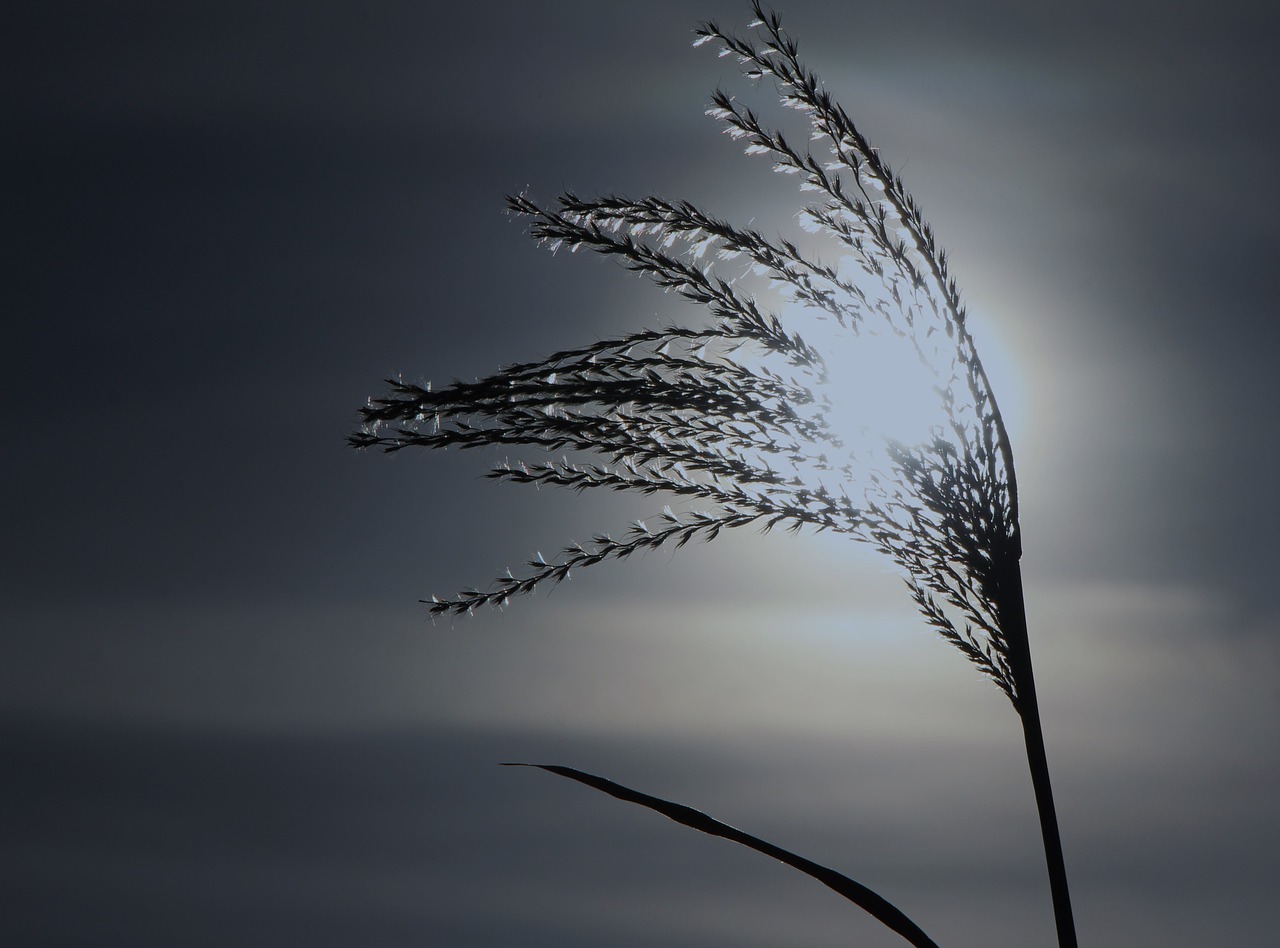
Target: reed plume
[{"x": 737, "y": 415}]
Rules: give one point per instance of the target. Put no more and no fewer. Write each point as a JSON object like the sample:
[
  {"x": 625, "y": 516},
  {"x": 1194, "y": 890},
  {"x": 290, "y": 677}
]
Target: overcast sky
[{"x": 226, "y": 719}]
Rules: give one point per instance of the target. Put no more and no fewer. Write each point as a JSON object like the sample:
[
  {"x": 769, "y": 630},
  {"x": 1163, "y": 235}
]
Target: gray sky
[{"x": 226, "y": 719}]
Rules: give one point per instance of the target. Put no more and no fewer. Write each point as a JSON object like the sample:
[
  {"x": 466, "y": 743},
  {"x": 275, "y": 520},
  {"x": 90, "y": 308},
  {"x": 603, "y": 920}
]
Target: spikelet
[{"x": 734, "y": 414}]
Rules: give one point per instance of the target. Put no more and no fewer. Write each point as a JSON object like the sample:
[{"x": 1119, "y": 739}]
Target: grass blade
[{"x": 880, "y": 908}]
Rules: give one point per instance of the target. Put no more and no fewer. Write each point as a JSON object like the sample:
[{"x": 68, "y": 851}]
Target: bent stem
[
  {"x": 1014, "y": 622},
  {"x": 738, "y": 414}
]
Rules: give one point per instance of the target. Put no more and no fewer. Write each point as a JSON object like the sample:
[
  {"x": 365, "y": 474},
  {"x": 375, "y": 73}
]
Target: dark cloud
[{"x": 229, "y": 722}]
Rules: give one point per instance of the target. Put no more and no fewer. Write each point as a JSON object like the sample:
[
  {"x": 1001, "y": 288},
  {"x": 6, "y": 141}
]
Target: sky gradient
[{"x": 227, "y": 721}]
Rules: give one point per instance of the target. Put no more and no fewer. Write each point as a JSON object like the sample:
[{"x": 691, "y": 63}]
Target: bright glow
[
  {"x": 886, "y": 386},
  {"x": 880, "y": 389}
]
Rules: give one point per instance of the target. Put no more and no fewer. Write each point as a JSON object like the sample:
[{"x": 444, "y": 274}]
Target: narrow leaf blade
[{"x": 879, "y": 907}]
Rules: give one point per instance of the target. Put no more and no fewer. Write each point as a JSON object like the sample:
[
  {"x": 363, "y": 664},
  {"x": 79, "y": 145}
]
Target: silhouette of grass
[{"x": 737, "y": 414}]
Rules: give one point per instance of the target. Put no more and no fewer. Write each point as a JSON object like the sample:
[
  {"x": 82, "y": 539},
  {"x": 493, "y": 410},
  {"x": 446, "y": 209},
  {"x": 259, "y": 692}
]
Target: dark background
[{"x": 227, "y": 721}]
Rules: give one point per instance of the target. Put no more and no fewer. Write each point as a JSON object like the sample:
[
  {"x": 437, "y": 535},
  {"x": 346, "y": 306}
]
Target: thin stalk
[
  {"x": 682, "y": 415},
  {"x": 1014, "y": 623}
]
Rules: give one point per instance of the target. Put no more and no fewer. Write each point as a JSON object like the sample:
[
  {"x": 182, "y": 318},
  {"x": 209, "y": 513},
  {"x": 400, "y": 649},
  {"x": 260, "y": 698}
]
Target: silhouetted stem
[{"x": 1015, "y": 626}]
